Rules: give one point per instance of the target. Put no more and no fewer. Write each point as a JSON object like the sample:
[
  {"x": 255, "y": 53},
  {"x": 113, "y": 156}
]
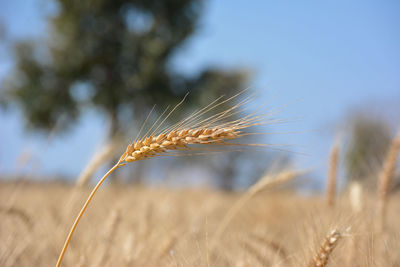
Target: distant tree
[
  {"x": 114, "y": 56},
  {"x": 369, "y": 141}
]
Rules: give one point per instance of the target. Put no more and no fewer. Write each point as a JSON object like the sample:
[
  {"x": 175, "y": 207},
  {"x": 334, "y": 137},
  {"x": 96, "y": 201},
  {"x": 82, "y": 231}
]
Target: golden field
[{"x": 148, "y": 226}]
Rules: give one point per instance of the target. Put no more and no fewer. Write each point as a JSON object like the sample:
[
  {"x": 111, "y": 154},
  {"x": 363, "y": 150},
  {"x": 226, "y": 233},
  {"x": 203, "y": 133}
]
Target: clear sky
[{"x": 322, "y": 58}]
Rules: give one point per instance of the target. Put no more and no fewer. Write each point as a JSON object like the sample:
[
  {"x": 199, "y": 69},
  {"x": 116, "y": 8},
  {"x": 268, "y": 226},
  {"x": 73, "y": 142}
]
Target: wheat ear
[
  {"x": 215, "y": 129},
  {"x": 385, "y": 178},
  {"x": 321, "y": 258},
  {"x": 333, "y": 166}
]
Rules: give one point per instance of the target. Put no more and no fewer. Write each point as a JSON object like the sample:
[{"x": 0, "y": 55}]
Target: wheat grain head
[
  {"x": 333, "y": 166},
  {"x": 321, "y": 258},
  {"x": 385, "y": 178}
]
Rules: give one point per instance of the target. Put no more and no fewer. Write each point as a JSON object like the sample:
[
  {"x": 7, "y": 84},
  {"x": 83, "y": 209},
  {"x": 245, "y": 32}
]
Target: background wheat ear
[
  {"x": 321, "y": 258},
  {"x": 385, "y": 178},
  {"x": 332, "y": 175},
  {"x": 100, "y": 157}
]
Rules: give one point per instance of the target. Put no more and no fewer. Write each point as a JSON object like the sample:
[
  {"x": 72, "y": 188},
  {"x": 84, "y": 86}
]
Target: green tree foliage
[
  {"x": 370, "y": 138},
  {"x": 113, "y": 55}
]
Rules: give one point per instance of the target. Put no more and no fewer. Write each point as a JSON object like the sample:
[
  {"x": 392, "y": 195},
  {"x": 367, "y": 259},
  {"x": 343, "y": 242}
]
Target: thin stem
[{"x": 60, "y": 258}]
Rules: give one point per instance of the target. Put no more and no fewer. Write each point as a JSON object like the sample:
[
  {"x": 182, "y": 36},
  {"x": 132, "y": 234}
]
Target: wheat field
[
  {"x": 144, "y": 226},
  {"x": 266, "y": 225}
]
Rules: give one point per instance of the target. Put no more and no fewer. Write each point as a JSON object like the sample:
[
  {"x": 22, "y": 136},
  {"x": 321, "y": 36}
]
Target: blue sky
[{"x": 322, "y": 58}]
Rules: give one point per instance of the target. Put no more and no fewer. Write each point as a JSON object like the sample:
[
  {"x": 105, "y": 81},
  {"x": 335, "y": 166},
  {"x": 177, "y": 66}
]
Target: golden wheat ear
[
  {"x": 321, "y": 258},
  {"x": 332, "y": 175},
  {"x": 385, "y": 178},
  {"x": 200, "y": 128}
]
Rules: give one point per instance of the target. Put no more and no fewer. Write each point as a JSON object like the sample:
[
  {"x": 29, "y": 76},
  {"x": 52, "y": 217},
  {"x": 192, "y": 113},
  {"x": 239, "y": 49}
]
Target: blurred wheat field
[
  {"x": 229, "y": 109},
  {"x": 143, "y": 226}
]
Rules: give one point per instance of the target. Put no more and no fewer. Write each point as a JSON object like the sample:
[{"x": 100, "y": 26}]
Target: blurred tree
[
  {"x": 370, "y": 138},
  {"x": 114, "y": 56}
]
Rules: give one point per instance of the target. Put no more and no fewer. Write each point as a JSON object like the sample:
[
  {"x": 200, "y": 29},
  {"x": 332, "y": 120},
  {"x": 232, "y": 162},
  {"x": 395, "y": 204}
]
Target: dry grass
[{"x": 165, "y": 227}]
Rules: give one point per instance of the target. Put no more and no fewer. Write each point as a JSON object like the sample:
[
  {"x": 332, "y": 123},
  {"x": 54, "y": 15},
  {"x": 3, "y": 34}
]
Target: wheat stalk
[
  {"x": 216, "y": 129},
  {"x": 333, "y": 166},
  {"x": 385, "y": 178},
  {"x": 96, "y": 161},
  {"x": 321, "y": 258}
]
